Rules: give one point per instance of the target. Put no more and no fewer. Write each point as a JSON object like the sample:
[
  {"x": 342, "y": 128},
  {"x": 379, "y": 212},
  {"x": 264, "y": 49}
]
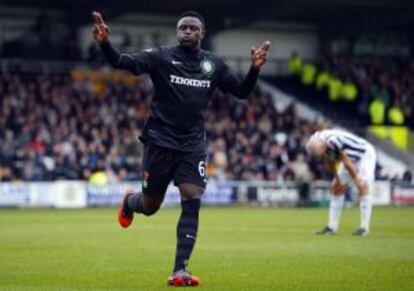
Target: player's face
[{"x": 190, "y": 32}]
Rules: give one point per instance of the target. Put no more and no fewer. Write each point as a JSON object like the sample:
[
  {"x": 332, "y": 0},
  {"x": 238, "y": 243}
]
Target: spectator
[{"x": 64, "y": 127}]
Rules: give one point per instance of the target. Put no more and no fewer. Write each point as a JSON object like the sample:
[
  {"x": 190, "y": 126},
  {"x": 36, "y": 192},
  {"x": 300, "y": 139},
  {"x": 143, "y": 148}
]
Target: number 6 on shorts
[{"x": 202, "y": 168}]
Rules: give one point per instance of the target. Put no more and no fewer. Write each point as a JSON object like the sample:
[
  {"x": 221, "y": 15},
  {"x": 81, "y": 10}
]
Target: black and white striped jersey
[{"x": 339, "y": 141}]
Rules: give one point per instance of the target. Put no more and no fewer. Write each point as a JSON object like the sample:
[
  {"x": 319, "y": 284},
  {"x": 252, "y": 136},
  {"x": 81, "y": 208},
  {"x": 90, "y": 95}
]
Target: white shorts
[{"x": 365, "y": 167}]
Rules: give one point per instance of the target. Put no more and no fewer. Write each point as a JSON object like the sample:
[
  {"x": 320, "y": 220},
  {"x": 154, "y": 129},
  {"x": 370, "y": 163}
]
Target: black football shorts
[{"x": 162, "y": 165}]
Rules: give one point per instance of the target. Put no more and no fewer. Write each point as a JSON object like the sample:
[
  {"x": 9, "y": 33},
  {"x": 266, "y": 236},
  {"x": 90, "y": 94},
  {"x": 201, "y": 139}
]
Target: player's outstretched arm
[
  {"x": 101, "y": 36},
  {"x": 229, "y": 83}
]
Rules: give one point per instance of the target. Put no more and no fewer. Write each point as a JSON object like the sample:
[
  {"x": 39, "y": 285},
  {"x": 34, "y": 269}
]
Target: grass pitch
[{"x": 237, "y": 249}]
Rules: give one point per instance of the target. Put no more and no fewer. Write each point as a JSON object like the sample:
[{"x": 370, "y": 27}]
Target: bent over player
[
  {"x": 184, "y": 77},
  {"x": 357, "y": 163}
]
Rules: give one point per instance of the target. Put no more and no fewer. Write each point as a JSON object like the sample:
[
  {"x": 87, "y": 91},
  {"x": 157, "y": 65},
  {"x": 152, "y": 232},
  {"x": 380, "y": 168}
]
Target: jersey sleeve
[
  {"x": 229, "y": 83},
  {"x": 334, "y": 144},
  {"x": 137, "y": 63},
  {"x": 146, "y": 61}
]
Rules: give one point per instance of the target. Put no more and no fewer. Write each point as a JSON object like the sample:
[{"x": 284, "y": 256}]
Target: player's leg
[
  {"x": 191, "y": 179},
  {"x": 335, "y": 209},
  {"x": 157, "y": 176},
  {"x": 145, "y": 203},
  {"x": 138, "y": 202},
  {"x": 367, "y": 171},
  {"x": 187, "y": 227},
  {"x": 365, "y": 209},
  {"x": 336, "y": 202}
]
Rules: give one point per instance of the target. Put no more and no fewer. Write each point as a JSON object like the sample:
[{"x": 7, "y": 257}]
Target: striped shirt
[{"x": 339, "y": 141}]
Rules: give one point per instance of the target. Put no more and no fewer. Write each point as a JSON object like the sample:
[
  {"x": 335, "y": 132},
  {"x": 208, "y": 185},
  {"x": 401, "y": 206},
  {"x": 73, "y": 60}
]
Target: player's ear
[{"x": 203, "y": 32}]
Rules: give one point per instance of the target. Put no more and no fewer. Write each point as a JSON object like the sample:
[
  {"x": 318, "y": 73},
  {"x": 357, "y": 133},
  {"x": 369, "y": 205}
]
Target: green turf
[{"x": 238, "y": 249}]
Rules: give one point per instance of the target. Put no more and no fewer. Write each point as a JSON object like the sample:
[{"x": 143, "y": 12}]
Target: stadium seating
[
  {"x": 68, "y": 126},
  {"x": 378, "y": 90}
]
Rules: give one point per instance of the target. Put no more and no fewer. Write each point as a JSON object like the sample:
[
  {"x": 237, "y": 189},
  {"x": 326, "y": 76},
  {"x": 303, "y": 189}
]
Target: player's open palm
[
  {"x": 258, "y": 56},
  {"x": 100, "y": 29}
]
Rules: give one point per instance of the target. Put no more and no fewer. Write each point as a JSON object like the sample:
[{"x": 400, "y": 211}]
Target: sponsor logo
[{"x": 189, "y": 82}]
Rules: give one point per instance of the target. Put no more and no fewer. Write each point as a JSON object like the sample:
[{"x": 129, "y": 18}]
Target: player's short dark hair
[{"x": 191, "y": 13}]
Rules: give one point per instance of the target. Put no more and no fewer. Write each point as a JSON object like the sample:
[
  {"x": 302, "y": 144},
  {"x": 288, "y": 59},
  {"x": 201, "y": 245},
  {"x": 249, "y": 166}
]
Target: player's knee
[
  {"x": 150, "y": 210},
  {"x": 151, "y": 206},
  {"x": 189, "y": 191},
  {"x": 364, "y": 193},
  {"x": 194, "y": 195},
  {"x": 338, "y": 192}
]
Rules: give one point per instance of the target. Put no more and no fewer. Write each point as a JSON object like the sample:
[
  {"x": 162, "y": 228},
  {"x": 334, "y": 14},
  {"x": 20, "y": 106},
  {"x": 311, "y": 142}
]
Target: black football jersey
[{"x": 184, "y": 81}]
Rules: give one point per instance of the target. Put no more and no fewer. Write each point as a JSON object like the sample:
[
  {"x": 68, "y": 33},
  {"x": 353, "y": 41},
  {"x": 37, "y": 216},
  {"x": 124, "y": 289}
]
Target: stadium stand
[
  {"x": 377, "y": 90},
  {"x": 68, "y": 126}
]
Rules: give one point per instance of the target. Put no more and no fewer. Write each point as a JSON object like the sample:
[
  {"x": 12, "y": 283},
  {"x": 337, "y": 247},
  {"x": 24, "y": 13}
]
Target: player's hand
[
  {"x": 100, "y": 29},
  {"x": 258, "y": 56},
  {"x": 361, "y": 185},
  {"x": 336, "y": 187}
]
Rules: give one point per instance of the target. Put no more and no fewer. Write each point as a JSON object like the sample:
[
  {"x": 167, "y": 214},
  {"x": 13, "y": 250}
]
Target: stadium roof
[{"x": 227, "y": 13}]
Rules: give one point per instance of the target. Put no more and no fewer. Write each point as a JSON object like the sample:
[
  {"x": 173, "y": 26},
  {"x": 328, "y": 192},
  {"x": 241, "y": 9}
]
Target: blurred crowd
[
  {"x": 379, "y": 90},
  {"x": 390, "y": 81},
  {"x": 71, "y": 126},
  {"x": 252, "y": 141},
  {"x": 84, "y": 126}
]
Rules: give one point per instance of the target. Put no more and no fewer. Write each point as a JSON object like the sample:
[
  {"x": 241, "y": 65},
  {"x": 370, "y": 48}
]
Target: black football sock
[
  {"x": 135, "y": 202},
  {"x": 186, "y": 232}
]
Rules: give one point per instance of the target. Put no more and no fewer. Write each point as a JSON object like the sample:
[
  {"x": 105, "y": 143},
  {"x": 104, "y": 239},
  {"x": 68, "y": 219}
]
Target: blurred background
[{"x": 69, "y": 123}]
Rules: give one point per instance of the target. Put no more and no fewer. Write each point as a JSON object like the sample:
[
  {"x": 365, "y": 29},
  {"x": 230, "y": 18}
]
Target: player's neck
[{"x": 189, "y": 49}]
